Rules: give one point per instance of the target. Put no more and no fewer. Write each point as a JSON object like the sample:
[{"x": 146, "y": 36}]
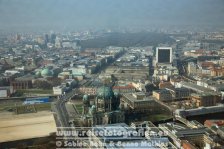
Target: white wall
[{"x": 3, "y": 93}]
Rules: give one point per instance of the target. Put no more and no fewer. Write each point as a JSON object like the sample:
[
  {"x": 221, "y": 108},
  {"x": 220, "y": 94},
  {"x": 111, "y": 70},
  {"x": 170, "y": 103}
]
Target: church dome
[
  {"x": 105, "y": 92},
  {"x": 85, "y": 97},
  {"x": 46, "y": 72},
  {"x": 38, "y": 73},
  {"x": 92, "y": 110},
  {"x": 116, "y": 94}
]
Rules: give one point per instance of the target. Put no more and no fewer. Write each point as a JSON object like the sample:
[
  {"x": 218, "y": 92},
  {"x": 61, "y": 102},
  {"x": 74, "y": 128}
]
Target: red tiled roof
[
  {"x": 214, "y": 122},
  {"x": 124, "y": 87}
]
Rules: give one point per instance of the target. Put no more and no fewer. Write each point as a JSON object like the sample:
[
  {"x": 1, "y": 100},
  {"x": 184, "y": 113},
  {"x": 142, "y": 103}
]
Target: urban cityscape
[{"x": 120, "y": 86}]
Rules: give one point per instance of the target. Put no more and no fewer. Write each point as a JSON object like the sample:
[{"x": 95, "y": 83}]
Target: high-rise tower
[{"x": 164, "y": 55}]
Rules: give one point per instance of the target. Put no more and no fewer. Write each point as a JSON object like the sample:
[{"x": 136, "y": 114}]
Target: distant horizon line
[{"x": 34, "y": 29}]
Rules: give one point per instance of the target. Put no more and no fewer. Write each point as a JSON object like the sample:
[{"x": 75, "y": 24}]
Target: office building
[{"x": 164, "y": 55}]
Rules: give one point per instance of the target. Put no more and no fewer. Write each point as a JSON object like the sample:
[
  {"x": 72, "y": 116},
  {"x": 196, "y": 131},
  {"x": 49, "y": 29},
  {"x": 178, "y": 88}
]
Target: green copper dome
[
  {"x": 85, "y": 97},
  {"x": 85, "y": 100},
  {"x": 105, "y": 92},
  {"x": 38, "y": 73},
  {"x": 92, "y": 110},
  {"x": 116, "y": 94},
  {"x": 46, "y": 72}
]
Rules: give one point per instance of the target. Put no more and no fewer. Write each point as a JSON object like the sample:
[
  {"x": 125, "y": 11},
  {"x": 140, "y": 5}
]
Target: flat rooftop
[
  {"x": 130, "y": 97},
  {"x": 26, "y": 126},
  {"x": 196, "y": 87}
]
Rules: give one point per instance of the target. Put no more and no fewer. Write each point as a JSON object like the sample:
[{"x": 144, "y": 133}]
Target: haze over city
[
  {"x": 98, "y": 14},
  {"x": 111, "y": 74}
]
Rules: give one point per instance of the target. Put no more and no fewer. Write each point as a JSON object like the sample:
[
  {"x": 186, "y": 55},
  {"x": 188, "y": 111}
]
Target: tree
[
  {"x": 67, "y": 85},
  {"x": 21, "y": 146},
  {"x": 4, "y": 82},
  {"x": 42, "y": 84},
  {"x": 55, "y": 81},
  {"x": 113, "y": 78}
]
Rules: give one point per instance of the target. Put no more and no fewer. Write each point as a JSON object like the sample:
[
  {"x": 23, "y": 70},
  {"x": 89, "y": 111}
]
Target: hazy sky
[{"x": 109, "y": 13}]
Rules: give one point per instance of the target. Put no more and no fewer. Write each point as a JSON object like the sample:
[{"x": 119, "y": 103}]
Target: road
[
  {"x": 165, "y": 105},
  {"x": 59, "y": 108},
  {"x": 62, "y": 113},
  {"x": 62, "y": 116}
]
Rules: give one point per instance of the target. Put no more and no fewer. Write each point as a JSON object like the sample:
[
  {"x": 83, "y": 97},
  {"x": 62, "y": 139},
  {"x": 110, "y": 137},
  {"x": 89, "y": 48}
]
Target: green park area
[
  {"x": 32, "y": 108},
  {"x": 35, "y": 91},
  {"x": 79, "y": 108},
  {"x": 43, "y": 106},
  {"x": 148, "y": 117},
  {"x": 19, "y": 108},
  {"x": 159, "y": 117},
  {"x": 8, "y": 106}
]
